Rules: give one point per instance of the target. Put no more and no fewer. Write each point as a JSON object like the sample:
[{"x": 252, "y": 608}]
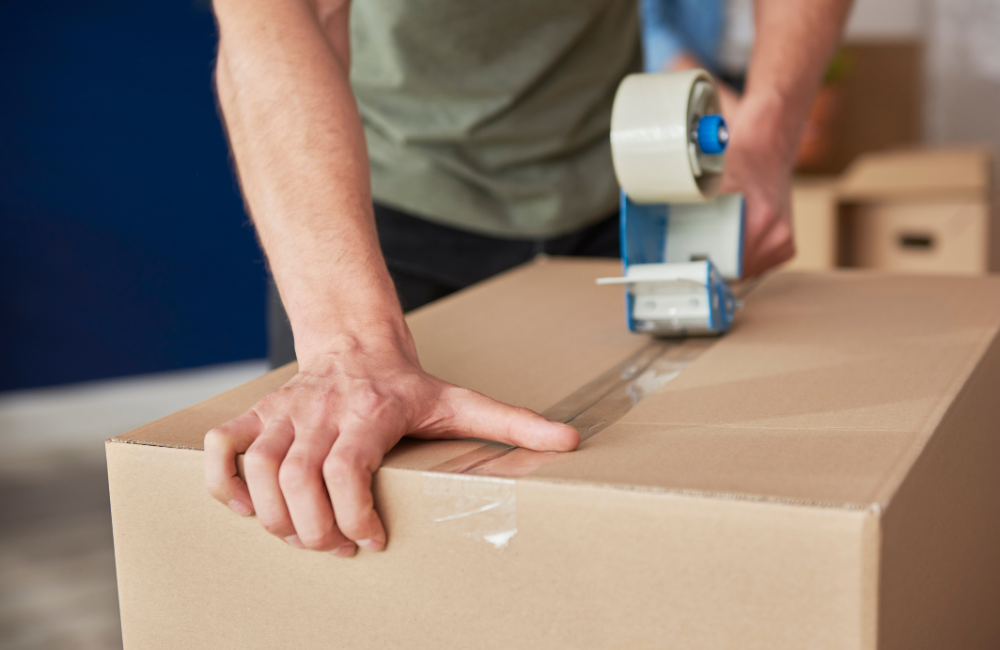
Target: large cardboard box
[{"x": 824, "y": 477}]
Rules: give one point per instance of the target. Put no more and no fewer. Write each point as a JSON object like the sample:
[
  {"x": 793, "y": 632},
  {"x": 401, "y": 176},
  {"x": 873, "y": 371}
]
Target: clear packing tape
[{"x": 475, "y": 494}]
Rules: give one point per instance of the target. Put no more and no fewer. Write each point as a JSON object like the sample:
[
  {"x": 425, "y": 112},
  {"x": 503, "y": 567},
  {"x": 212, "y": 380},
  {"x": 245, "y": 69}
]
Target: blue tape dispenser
[{"x": 680, "y": 240}]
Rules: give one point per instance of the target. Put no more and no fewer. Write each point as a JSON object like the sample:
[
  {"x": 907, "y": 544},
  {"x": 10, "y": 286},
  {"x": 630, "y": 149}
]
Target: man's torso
[{"x": 493, "y": 116}]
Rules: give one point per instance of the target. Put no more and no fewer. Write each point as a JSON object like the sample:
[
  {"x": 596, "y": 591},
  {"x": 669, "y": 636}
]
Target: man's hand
[
  {"x": 792, "y": 49},
  {"x": 758, "y": 164},
  {"x": 312, "y": 447}
]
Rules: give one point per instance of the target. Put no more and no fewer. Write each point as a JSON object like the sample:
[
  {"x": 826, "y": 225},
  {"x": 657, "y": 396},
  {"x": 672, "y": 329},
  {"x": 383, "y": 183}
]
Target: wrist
[
  {"x": 339, "y": 310},
  {"x": 769, "y": 123},
  {"x": 315, "y": 347}
]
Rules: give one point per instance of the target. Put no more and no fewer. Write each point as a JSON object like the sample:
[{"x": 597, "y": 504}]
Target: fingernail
[
  {"x": 344, "y": 550},
  {"x": 294, "y": 540},
  {"x": 240, "y": 508},
  {"x": 371, "y": 544}
]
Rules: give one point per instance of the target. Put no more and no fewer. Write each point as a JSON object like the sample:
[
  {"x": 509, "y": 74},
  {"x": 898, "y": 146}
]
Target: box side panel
[
  {"x": 586, "y": 567},
  {"x": 814, "y": 214},
  {"x": 946, "y": 237},
  {"x": 940, "y": 582}
]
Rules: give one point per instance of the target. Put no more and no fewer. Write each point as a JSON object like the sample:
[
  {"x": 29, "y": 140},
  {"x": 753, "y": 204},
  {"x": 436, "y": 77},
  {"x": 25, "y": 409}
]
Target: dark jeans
[{"x": 428, "y": 261}]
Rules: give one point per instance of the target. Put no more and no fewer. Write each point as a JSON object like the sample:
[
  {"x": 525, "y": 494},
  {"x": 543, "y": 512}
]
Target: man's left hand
[{"x": 758, "y": 164}]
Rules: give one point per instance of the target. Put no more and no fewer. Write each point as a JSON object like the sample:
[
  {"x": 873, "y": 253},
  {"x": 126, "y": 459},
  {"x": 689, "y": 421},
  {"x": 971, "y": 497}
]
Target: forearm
[
  {"x": 293, "y": 125},
  {"x": 793, "y": 45}
]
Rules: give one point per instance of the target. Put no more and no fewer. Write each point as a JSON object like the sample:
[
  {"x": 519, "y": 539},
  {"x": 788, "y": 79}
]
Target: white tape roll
[{"x": 655, "y": 154}]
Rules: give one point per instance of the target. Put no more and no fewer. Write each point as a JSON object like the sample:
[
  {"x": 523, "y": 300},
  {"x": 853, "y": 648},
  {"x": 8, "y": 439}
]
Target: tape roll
[{"x": 654, "y": 137}]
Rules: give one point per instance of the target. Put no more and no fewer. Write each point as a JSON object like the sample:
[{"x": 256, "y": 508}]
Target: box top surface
[
  {"x": 918, "y": 174},
  {"x": 825, "y": 392}
]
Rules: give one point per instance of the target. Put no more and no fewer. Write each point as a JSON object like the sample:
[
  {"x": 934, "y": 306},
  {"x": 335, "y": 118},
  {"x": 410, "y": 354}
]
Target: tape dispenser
[{"x": 680, "y": 240}]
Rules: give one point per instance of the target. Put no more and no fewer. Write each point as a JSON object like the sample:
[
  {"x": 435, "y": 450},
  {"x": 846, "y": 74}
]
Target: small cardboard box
[
  {"x": 874, "y": 101},
  {"x": 919, "y": 211},
  {"x": 926, "y": 210},
  {"x": 823, "y": 477}
]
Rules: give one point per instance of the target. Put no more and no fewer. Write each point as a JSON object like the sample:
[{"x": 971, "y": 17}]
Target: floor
[{"x": 57, "y": 571}]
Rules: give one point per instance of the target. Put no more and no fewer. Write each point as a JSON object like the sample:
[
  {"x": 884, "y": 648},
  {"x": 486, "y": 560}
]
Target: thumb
[{"x": 482, "y": 417}]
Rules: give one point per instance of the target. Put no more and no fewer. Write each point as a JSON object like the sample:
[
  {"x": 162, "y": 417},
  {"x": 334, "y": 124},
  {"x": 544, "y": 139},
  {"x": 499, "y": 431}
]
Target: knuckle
[
  {"x": 274, "y": 525},
  {"x": 337, "y": 471},
  {"x": 367, "y": 403},
  {"x": 343, "y": 465},
  {"x": 526, "y": 413},
  {"x": 216, "y": 437},
  {"x": 268, "y": 403},
  {"x": 318, "y": 541},
  {"x": 353, "y": 526},
  {"x": 216, "y": 488},
  {"x": 294, "y": 473},
  {"x": 259, "y": 456}
]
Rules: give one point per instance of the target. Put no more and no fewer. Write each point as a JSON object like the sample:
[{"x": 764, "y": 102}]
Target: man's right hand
[{"x": 312, "y": 446}]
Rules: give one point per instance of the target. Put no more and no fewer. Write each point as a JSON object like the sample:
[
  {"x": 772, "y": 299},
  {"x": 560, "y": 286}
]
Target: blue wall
[{"x": 124, "y": 247}]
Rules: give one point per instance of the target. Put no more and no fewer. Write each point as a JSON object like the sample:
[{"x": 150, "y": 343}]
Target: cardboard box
[
  {"x": 920, "y": 211},
  {"x": 823, "y": 477},
  {"x": 815, "y": 219},
  {"x": 876, "y": 105},
  {"x": 926, "y": 210}
]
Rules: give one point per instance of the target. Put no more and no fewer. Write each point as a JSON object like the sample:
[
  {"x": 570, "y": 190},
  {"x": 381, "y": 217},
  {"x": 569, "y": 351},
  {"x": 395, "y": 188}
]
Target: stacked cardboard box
[
  {"x": 914, "y": 211},
  {"x": 873, "y": 101},
  {"x": 823, "y": 477}
]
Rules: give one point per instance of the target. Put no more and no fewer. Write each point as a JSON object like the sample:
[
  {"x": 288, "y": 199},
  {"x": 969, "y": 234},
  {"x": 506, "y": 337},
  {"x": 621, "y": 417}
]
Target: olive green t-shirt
[{"x": 492, "y": 115}]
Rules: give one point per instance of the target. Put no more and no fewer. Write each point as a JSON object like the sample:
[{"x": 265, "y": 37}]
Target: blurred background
[{"x": 131, "y": 284}]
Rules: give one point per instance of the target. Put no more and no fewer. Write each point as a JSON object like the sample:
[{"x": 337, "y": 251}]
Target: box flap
[
  {"x": 918, "y": 174},
  {"x": 825, "y": 391}
]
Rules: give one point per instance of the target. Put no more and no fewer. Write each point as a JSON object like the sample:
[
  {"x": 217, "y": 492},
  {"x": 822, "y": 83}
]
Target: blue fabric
[
  {"x": 672, "y": 26},
  {"x": 124, "y": 247}
]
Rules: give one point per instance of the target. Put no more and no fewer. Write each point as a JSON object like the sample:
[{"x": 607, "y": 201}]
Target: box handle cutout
[{"x": 916, "y": 241}]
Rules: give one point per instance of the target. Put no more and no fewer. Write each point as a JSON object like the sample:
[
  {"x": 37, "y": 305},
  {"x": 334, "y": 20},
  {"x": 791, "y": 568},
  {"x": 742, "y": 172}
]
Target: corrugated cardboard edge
[
  {"x": 695, "y": 494},
  {"x": 871, "y": 541},
  {"x": 191, "y": 423}
]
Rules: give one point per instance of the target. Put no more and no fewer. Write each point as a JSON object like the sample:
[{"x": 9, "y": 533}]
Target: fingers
[
  {"x": 480, "y": 416},
  {"x": 260, "y": 465},
  {"x": 762, "y": 218},
  {"x": 772, "y": 242},
  {"x": 775, "y": 250},
  {"x": 301, "y": 482},
  {"x": 222, "y": 444},
  {"x": 348, "y": 473}
]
